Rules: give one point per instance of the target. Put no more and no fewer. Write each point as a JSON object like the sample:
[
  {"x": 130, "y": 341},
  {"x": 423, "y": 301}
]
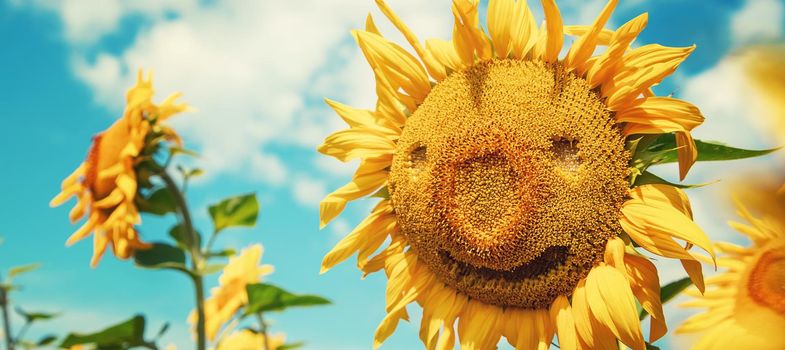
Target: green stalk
[
  {"x": 196, "y": 257},
  {"x": 9, "y": 341},
  {"x": 263, "y": 330}
]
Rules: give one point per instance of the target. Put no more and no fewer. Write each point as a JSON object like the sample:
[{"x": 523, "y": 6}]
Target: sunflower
[
  {"x": 249, "y": 340},
  {"x": 746, "y": 303},
  {"x": 505, "y": 176},
  {"x": 105, "y": 184},
  {"x": 226, "y": 299}
]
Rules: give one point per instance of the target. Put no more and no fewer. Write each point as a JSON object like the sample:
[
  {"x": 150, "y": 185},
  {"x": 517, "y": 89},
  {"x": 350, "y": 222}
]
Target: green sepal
[{"x": 647, "y": 178}]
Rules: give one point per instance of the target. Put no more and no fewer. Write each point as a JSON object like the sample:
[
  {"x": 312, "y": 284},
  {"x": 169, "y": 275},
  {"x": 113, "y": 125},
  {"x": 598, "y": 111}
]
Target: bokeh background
[{"x": 256, "y": 72}]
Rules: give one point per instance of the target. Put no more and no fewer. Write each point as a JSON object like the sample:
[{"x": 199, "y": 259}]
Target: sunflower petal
[
  {"x": 357, "y": 143},
  {"x": 584, "y": 47},
  {"x": 370, "y": 175},
  {"x": 561, "y": 313},
  {"x": 500, "y": 20},
  {"x": 612, "y": 304},
  {"x": 645, "y": 285},
  {"x": 524, "y": 30},
  {"x": 554, "y": 28},
  {"x": 659, "y": 115},
  {"x": 618, "y": 42},
  {"x": 378, "y": 223},
  {"x": 398, "y": 65}
]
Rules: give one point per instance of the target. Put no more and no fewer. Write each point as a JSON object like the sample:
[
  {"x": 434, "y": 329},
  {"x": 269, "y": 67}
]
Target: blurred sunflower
[
  {"x": 250, "y": 340},
  {"x": 105, "y": 184},
  {"x": 746, "y": 303},
  {"x": 230, "y": 295},
  {"x": 505, "y": 177},
  {"x": 765, "y": 68}
]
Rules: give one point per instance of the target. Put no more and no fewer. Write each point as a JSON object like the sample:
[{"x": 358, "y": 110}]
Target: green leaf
[
  {"x": 649, "y": 346},
  {"x": 161, "y": 256},
  {"x": 235, "y": 211},
  {"x": 179, "y": 150},
  {"x": 263, "y": 297},
  {"x": 647, "y": 178},
  {"x": 159, "y": 202},
  {"x": 177, "y": 232},
  {"x": 221, "y": 253},
  {"x": 18, "y": 270},
  {"x": 35, "y": 316},
  {"x": 122, "y": 335},
  {"x": 707, "y": 150},
  {"x": 670, "y": 291},
  {"x": 46, "y": 340},
  {"x": 212, "y": 268},
  {"x": 291, "y": 346}
]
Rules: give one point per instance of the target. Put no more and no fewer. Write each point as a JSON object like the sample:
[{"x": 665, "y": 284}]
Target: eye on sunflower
[
  {"x": 106, "y": 183},
  {"x": 745, "y": 304},
  {"x": 513, "y": 182}
]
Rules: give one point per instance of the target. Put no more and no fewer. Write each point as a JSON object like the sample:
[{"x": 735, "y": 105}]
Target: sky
[{"x": 256, "y": 73}]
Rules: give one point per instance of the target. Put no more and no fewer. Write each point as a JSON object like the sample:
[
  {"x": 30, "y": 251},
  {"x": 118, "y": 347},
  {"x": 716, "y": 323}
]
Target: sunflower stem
[
  {"x": 263, "y": 330},
  {"x": 196, "y": 256},
  {"x": 9, "y": 341}
]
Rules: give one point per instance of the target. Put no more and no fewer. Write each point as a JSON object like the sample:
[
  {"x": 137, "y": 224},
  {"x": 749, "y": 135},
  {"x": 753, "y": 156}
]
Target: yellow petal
[
  {"x": 612, "y": 304},
  {"x": 639, "y": 70},
  {"x": 377, "y": 224},
  {"x": 659, "y": 115},
  {"x": 500, "y": 20},
  {"x": 695, "y": 271},
  {"x": 561, "y": 313},
  {"x": 618, "y": 42},
  {"x": 655, "y": 215},
  {"x": 687, "y": 152},
  {"x": 554, "y": 29},
  {"x": 444, "y": 53},
  {"x": 362, "y": 118},
  {"x": 584, "y": 47},
  {"x": 357, "y": 143},
  {"x": 370, "y": 175},
  {"x": 370, "y": 26},
  {"x": 468, "y": 37},
  {"x": 524, "y": 30},
  {"x": 477, "y": 326},
  {"x": 645, "y": 285},
  {"x": 398, "y": 65},
  {"x": 603, "y": 39},
  {"x": 591, "y": 334}
]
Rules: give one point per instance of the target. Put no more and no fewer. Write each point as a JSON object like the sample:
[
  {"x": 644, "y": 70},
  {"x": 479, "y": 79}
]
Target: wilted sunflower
[
  {"x": 230, "y": 295},
  {"x": 250, "y": 340},
  {"x": 105, "y": 184},
  {"x": 746, "y": 303},
  {"x": 505, "y": 179}
]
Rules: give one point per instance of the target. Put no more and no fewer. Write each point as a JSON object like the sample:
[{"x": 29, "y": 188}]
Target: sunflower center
[
  {"x": 508, "y": 180},
  {"x": 767, "y": 281}
]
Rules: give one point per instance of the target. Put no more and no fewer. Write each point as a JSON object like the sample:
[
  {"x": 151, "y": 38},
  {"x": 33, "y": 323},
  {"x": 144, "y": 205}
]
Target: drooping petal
[
  {"x": 612, "y": 304},
  {"x": 561, "y": 314},
  {"x": 653, "y": 218},
  {"x": 645, "y": 285},
  {"x": 687, "y": 152}
]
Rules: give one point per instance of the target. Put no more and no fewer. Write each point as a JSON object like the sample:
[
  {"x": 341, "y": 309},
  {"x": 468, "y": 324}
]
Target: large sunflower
[
  {"x": 105, "y": 184},
  {"x": 504, "y": 173},
  {"x": 746, "y": 303}
]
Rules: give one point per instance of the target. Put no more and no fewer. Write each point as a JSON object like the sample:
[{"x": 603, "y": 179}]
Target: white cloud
[
  {"x": 758, "y": 20},
  {"x": 308, "y": 191},
  {"x": 729, "y": 102}
]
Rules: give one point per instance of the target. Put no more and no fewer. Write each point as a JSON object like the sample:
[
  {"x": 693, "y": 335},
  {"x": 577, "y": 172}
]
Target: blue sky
[{"x": 256, "y": 72}]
